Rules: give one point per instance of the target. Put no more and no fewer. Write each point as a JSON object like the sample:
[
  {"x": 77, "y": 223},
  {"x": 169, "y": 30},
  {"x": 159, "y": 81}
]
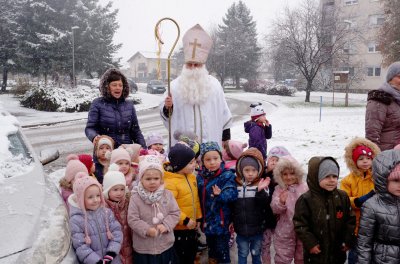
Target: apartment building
[{"x": 364, "y": 60}]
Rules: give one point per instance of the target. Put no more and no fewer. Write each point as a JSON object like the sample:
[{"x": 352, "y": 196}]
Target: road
[{"x": 69, "y": 137}]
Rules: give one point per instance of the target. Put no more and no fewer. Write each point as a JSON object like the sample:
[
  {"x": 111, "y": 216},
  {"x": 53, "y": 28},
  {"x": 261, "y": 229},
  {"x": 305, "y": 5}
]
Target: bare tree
[
  {"x": 309, "y": 37},
  {"x": 389, "y": 34}
]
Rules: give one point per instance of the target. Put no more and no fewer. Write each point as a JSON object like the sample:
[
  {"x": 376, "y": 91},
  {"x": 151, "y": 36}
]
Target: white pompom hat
[{"x": 112, "y": 178}]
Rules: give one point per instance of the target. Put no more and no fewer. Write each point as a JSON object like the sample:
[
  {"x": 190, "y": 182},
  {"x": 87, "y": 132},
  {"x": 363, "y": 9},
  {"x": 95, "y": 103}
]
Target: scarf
[{"x": 149, "y": 197}]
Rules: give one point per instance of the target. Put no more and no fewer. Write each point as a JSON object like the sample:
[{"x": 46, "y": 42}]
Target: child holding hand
[{"x": 152, "y": 215}]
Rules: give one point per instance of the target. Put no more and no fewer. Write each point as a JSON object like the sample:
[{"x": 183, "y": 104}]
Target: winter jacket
[
  {"x": 120, "y": 211},
  {"x": 249, "y": 210},
  {"x": 382, "y": 118},
  {"x": 379, "y": 233},
  {"x": 216, "y": 210},
  {"x": 258, "y": 135},
  {"x": 96, "y": 226},
  {"x": 140, "y": 219},
  {"x": 323, "y": 218},
  {"x": 184, "y": 189},
  {"x": 114, "y": 117},
  {"x": 357, "y": 183},
  {"x": 286, "y": 243}
]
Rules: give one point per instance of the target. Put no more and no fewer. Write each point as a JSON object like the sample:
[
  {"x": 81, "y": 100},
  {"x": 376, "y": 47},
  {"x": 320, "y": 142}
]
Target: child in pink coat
[
  {"x": 289, "y": 176},
  {"x": 73, "y": 167},
  {"x": 232, "y": 149}
]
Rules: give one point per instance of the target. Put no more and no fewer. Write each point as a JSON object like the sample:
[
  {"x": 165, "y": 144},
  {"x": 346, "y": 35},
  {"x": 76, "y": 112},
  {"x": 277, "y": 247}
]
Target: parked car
[
  {"x": 34, "y": 219},
  {"x": 132, "y": 85},
  {"x": 155, "y": 86}
]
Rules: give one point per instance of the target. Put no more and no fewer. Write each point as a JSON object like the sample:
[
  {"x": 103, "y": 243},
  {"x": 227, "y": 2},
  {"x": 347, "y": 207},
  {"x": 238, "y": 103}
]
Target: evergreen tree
[
  {"x": 8, "y": 37},
  {"x": 237, "y": 42}
]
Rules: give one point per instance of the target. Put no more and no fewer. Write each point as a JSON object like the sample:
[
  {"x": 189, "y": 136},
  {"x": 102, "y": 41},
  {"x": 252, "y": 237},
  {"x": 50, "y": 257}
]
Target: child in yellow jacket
[
  {"x": 358, "y": 184},
  {"x": 180, "y": 180}
]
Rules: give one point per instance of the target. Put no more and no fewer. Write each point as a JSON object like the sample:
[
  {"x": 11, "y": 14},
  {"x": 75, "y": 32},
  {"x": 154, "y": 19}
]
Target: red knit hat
[
  {"x": 87, "y": 160},
  {"x": 395, "y": 173},
  {"x": 362, "y": 150}
]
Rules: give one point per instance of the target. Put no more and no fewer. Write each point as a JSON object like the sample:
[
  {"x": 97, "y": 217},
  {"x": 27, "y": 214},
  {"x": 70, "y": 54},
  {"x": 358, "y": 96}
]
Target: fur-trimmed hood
[
  {"x": 287, "y": 162},
  {"x": 254, "y": 153},
  {"x": 105, "y": 91},
  {"x": 348, "y": 152}
]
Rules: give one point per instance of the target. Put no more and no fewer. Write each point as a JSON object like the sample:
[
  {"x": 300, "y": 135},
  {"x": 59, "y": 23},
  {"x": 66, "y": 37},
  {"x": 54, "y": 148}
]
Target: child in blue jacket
[{"x": 217, "y": 190}]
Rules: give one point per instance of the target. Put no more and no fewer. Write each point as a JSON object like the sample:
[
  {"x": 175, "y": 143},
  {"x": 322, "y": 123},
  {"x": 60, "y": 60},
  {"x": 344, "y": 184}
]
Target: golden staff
[{"x": 160, "y": 42}]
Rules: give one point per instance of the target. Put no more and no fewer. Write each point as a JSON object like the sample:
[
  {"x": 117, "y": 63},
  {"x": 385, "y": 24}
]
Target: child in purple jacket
[
  {"x": 96, "y": 234},
  {"x": 258, "y": 128}
]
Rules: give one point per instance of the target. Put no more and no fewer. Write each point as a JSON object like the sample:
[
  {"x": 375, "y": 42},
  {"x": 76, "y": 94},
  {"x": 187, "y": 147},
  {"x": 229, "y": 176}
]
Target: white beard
[{"x": 194, "y": 85}]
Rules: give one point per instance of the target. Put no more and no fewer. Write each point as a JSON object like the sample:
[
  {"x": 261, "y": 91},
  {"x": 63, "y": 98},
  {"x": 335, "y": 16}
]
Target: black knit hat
[{"x": 179, "y": 156}]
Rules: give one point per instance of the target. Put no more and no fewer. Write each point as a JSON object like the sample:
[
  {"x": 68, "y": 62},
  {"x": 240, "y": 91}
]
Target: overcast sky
[{"x": 137, "y": 19}]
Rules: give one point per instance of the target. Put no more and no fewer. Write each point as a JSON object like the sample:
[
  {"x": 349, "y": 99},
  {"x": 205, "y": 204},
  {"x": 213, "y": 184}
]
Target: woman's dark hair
[{"x": 112, "y": 75}]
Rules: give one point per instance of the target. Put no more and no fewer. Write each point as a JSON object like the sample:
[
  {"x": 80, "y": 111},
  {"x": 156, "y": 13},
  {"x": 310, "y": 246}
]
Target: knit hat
[
  {"x": 154, "y": 138},
  {"x": 179, "y": 156},
  {"x": 149, "y": 162},
  {"x": 133, "y": 150},
  {"x": 111, "y": 178},
  {"x": 87, "y": 160},
  {"x": 362, "y": 150},
  {"x": 190, "y": 139},
  {"x": 73, "y": 167},
  {"x": 393, "y": 70},
  {"x": 81, "y": 183},
  {"x": 256, "y": 111},
  {"x": 249, "y": 161},
  {"x": 119, "y": 154},
  {"x": 196, "y": 45},
  {"x": 278, "y": 151},
  {"x": 395, "y": 173},
  {"x": 209, "y": 146},
  {"x": 234, "y": 148},
  {"x": 397, "y": 147},
  {"x": 327, "y": 167},
  {"x": 105, "y": 140}
]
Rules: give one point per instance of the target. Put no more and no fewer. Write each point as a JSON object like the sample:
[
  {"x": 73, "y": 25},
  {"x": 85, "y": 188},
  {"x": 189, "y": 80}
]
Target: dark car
[
  {"x": 132, "y": 85},
  {"x": 155, "y": 86}
]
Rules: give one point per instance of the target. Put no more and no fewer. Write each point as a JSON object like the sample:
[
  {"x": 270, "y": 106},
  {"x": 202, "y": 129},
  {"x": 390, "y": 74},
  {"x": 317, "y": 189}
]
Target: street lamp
[{"x": 73, "y": 56}]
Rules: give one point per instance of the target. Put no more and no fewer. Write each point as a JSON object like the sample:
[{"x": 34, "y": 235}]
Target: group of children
[{"x": 146, "y": 206}]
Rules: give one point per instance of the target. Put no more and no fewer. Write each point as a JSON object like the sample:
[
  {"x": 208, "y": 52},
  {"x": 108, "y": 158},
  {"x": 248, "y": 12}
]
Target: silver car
[{"x": 33, "y": 218}]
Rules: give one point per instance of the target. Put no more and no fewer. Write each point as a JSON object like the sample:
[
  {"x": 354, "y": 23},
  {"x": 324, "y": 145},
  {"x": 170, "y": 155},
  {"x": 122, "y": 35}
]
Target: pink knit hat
[
  {"x": 397, "y": 147},
  {"x": 395, "y": 173},
  {"x": 196, "y": 45},
  {"x": 234, "y": 148},
  {"x": 149, "y": 162},
  {"x": 73, "y": 167},
  {"x": 119, "y": 154},
  {"x": 81, "y": 183}
]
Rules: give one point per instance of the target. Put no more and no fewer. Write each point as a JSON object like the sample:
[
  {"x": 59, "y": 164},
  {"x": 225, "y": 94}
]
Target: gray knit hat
[
  {"x": 248, "y": 161},
  {"x": 393, "y": 70},
  {"x": 327, "y": 167}
]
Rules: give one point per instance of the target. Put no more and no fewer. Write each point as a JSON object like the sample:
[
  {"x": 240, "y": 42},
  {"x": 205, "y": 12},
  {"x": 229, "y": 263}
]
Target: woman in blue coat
[{"x": 112, "y": 114}]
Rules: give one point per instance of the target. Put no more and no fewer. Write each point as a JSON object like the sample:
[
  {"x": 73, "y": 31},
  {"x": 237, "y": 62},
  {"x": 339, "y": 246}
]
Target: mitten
[
  {"x": 108, "y": 258},
  {"x": 360, "y": 200}
]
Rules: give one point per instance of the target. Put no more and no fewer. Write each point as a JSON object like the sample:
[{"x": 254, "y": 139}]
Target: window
[
  {"x": 373, "y": 47},
  {"x": 350, "y": 2},
  {"x": 374, "y": 71},
  {"x": 376, "y": 20},
  {"x": 348, "y": 48}
]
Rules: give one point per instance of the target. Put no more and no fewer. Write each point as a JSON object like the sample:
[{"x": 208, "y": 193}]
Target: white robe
[{"x": 207, "y": 120}]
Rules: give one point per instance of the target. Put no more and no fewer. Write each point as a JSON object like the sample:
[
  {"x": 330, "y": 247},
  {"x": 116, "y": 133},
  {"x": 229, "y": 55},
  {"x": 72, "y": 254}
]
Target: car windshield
[
  {"x": 156, "y": 82},
  {"x": 17, "y": 160}
]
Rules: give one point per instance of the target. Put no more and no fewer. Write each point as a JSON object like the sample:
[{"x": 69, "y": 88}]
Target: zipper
[
  {"x": 191, "y": 191},
  {"x": 98, "y": 231}
]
